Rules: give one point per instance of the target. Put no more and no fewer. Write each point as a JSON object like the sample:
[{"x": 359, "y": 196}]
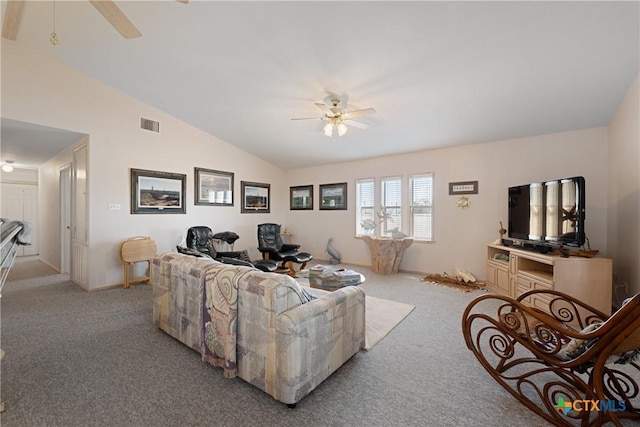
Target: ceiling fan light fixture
[
  {"x": 328, "y": 130},
  {"x": 7, "y": 166},
  {"x": 336, "y": 116}
]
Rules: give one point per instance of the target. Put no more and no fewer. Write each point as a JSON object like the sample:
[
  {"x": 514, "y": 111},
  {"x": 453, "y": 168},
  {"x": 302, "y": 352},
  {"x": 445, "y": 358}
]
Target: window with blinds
[
  {"x": 421, "y": 206},
  {"x": 407, "y": 205},
  {"x": 391, "y": 205},
  {"x": 365, "y": 202}
]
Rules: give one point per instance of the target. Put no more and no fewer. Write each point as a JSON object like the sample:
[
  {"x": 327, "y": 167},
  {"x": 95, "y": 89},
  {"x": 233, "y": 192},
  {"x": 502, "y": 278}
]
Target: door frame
[{"x": 65, "y": 218}]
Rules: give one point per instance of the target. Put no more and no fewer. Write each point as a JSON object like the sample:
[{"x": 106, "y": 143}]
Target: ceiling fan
[
  {"x": 107, "y": 8},
  {"x": 338, "y": 118}
]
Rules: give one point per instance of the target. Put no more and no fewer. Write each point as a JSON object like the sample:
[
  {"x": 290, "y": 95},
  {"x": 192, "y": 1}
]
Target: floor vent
[{"x": 148, "y": 124}]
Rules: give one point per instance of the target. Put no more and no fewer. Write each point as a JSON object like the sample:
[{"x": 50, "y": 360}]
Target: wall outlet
[{"x": 114, "y": 206}]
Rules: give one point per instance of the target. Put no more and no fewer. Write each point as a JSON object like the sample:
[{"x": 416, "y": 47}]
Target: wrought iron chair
[
  {"x": 272, "y": 248},
  {"x": 569, "y": 363},
  {"x": 200, "y": 243}
]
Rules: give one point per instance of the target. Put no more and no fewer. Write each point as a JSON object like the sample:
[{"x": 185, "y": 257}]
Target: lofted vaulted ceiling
[{"x": 438, "y": 73}]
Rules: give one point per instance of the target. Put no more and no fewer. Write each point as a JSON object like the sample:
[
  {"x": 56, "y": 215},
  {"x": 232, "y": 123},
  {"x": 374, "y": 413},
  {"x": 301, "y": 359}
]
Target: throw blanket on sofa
[
  {"x": 220, "y": 318},
  {"x": 219, "y": 309}
]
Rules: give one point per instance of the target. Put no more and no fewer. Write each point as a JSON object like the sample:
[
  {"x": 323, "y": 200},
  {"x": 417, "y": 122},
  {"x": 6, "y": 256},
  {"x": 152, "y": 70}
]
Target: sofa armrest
[{"x": 315, "y": 339}]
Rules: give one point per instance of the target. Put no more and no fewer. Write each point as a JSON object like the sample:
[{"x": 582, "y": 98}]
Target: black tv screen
[
  {"x": 519, "y": 212},
  {"x": 550, "y": 212}
]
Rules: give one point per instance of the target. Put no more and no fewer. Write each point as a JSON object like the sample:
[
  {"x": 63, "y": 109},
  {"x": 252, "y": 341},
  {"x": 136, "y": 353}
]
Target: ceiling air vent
[{"x": 149, "y": 124}]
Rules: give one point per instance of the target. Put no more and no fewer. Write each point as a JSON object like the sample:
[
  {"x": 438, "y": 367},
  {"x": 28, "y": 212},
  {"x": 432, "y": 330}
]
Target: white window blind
[
  {"x": 421, "y": 206},
  {"x": 365, "y": 202},
  {"x": 391, "y": 205}
]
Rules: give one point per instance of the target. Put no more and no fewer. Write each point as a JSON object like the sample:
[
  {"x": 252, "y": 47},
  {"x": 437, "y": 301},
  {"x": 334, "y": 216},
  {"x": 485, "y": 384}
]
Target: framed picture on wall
[
  {"x": 154, "y": 192},
  {"x": 256, "y": 197},
  {"x": 213, "y": 188},
  {"x": 333, "y": 196},
  {"x": 301, "y": 197}
]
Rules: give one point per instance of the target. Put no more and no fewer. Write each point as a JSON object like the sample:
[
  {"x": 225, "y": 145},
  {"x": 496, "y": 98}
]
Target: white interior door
[
  {"x": 79, "y": 207},
  {"x": 30, "y": 214},
  {"x": 20, "y": 203}
]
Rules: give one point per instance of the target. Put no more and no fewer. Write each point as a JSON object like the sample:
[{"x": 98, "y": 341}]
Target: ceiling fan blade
[
  {"x": 358, "y": 113},
  {"x": 12, "y": 15},
  {"x": 325, "y": 109},
  {"x": 116, "y": 18},
  {"x": 356, "y": 123},
  {"x": 309, "y": 118}
]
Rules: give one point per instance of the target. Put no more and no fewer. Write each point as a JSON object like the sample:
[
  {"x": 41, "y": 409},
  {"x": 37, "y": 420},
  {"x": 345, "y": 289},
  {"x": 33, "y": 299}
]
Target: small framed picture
[
  {"x": 463, "y": 187},
  {"x": 154, "y": 192},
  {"x": 213, "y": 188},
  {"x": 333, "y": 196},
  {"x": 301, "y": 197},
  {"x": 255, "y": 197}
]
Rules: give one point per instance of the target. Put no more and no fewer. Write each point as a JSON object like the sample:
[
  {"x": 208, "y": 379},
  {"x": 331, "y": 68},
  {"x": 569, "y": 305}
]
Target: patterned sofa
[{"x": 263, "y": 327}]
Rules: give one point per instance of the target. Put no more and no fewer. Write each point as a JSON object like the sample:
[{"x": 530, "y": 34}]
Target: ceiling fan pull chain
[{"x": 53, "y": 38}]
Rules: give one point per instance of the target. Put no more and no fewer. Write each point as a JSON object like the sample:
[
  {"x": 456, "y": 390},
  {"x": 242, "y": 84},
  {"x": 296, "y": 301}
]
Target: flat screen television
[{"x": 549, "y": 212}]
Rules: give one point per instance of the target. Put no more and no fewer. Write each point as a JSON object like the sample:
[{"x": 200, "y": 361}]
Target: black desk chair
[{"x": 272, "y": 248}]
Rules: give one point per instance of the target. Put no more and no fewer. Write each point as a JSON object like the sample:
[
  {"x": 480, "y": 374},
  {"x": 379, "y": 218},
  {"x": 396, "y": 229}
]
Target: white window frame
[
  {"x": 427, "y": 205},
  {"x": 360, "y": 215},
  {"x": 407, "y": 221},
  {"x": 391, "y": 209}
]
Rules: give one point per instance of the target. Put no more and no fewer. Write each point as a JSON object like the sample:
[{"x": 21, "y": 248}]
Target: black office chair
[
  {"x": 200, "y": 243},
  {"x": 272, "y": 248}
]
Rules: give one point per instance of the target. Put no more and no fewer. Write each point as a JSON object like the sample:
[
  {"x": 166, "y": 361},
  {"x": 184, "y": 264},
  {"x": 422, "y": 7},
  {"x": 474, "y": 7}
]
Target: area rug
[
  {"x": 452, "y": 282},
  {"x": 381, "y": 316}
]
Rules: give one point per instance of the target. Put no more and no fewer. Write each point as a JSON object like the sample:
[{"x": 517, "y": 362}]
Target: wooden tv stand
[{"x": 587, "y": 279}]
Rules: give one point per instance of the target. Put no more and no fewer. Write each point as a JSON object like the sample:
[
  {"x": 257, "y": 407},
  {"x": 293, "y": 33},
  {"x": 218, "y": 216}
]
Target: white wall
[
  {"x": 460, "y": 235},
  {"x": 40, "y": 90},
  {"x": 20, "y": 176},
  {"x": 624, "y": 189}
]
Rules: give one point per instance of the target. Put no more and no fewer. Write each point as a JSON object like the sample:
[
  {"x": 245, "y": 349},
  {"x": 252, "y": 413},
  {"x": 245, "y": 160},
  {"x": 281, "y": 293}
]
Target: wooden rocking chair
[{"x": 570, "y": 364}]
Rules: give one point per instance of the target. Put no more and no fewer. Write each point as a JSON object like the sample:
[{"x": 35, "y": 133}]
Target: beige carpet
[
  {"x": 381, "y": 317},
  {"x": 29, "y": 269}
]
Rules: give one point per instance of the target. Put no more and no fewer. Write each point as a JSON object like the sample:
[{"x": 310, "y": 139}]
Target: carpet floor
[
  {"x": 29, "y": 268},
  {"x": 77, "y": 358}
]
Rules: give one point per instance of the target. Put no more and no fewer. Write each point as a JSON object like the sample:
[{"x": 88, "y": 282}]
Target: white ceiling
[
  {"x": 438, "y": 73},
  {"x": 27, "y": 145}
]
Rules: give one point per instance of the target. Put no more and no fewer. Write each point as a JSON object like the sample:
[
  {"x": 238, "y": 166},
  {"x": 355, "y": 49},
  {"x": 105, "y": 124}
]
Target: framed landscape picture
[
  {"x": 255, "y": 197},
  {"x": 213, "y": 188},
  {"x": 301, "y": 197},
  {"x": 154, "y": 192},
  {"x": 333, "y": 196}
]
